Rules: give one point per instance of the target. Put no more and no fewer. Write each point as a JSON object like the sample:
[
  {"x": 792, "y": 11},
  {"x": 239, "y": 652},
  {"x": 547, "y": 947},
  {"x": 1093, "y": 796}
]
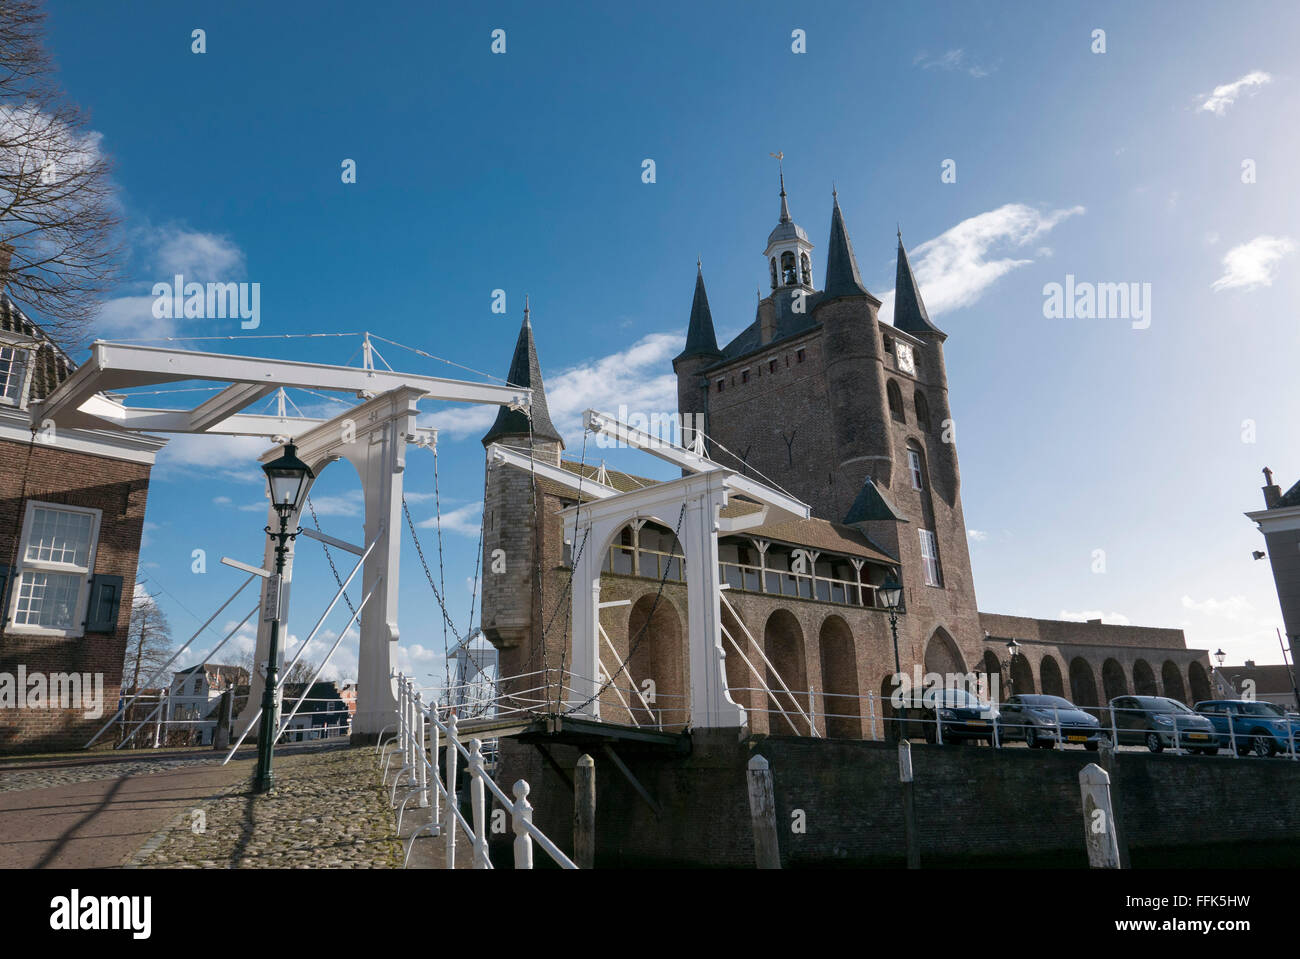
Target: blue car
[{"x": 1257, "y": 727}]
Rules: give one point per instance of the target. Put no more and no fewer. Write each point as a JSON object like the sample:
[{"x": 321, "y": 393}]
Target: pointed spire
[
  {"x": 872, "y": 505},
  {"x": 700, "y": 338},
  {"x": 785, "y": 207},
  {"x": 525, "y": 370},
  {"x": 909, "y": 308},
  {"x": 842, "y": 276}
]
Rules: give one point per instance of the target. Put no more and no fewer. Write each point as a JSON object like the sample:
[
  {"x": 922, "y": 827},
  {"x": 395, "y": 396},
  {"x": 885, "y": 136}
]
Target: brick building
[
  {"x": 72, "y": 507},
  {"x": 818, "y": 398}
]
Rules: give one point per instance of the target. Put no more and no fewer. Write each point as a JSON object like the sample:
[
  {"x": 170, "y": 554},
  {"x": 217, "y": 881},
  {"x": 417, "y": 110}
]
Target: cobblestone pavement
[
  {"x": 327, "y": 810},
  {"x": 62, "y": 775}
]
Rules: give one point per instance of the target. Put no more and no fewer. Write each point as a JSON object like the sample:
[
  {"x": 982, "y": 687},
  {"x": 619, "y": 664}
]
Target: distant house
[
  {"x": 72, "y": 504},
  {"x": 195, "y": 700},
  {"x": 323, "y": 713},
  {"x": 1269, "y": 684}
]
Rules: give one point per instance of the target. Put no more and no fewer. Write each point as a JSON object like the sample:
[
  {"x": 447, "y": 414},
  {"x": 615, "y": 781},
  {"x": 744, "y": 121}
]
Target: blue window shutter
[{"x": 105, "y": 600}]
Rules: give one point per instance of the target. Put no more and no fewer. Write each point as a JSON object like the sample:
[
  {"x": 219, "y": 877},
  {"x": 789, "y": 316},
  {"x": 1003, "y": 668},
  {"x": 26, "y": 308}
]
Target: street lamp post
[
  {"x": 891, "y": 595},
  {"x": 288, "y": 478},
  {"x": 1013, "y": 648}
]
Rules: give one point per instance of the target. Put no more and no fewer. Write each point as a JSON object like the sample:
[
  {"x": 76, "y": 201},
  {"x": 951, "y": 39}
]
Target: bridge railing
[{"x": 430, "y": 769}]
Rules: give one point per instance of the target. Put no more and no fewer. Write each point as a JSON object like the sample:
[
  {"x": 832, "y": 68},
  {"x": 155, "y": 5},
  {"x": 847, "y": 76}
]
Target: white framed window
[
  {"x": 930, "y": 557},
  {"x": 56, "y": 556},
  {"x": 914, "y": 465},
  {"x": 15, "y": 363}
]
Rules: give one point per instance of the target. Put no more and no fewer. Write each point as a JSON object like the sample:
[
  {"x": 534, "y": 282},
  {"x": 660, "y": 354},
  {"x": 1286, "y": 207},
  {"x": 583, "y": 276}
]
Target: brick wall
[{"x": 118, "y": 489}]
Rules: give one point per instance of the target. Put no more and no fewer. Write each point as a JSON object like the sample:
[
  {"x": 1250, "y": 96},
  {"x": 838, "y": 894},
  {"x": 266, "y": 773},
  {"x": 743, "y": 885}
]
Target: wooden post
[
  {"x": 1098, "y": 818},
  {"x": 910, "y": 839},
  {"x": 584, "y": 812},
  {"x": 762, "y": 810},
  {"x": 521, "y": 815}
]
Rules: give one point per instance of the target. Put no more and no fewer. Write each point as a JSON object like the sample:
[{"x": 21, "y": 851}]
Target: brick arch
[
  {"x": 1173, "y": 681},
  {"x": 656, "y": 651},
  {"x": 740, "y": 679},
  {"x": 990, "y": 670},
  {"x": 1083, "y": 684},
  {"x": 1113, "y": 681},
  {"x": 1022, "y": 675},
  {"x": 784, "y": 644},
  {"x": 1144, "y": 679},
  {"x": 1049, "y": 672},
  {"x": 1199, "y": 682},
  {"x": 942, "y": 654},
  {"x": 839, "y": 662}
]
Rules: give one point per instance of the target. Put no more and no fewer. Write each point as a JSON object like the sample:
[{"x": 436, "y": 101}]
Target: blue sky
[{"x": 522, "y": 171}]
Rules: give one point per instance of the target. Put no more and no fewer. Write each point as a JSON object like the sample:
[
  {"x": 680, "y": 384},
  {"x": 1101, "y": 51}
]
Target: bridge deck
[{"x": 555, "y": 728}]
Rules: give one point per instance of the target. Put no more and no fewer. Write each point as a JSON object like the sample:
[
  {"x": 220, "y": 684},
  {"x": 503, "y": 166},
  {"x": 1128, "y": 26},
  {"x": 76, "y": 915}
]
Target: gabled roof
[
  {"x": 871, "y": 504},
  {"x": 526, "y": 371},
  {"x": 1291, "y": 497},
  {"x": 700, "y": 337},
  {"x": 842, "y": 276}
]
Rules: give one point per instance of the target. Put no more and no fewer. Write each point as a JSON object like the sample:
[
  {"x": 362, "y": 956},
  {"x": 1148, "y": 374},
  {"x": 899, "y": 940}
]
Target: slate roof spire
[
  {"x": 701, "y": 340},
  {"x": 525, "y": 370},
  {"x": 909, "y": 308},
  {"x": 842, "y": 276}
]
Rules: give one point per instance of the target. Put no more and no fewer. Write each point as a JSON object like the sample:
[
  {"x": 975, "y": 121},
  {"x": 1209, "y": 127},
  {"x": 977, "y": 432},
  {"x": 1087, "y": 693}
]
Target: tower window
[
  {"x": 721, "y": 383},
  {"x": 914, "y": 465},
  {"x": 788, "y": 275},
  {"x": 922, "y": 411},
  {"x": 744, "y": 376},
  {"x": 930, "y": 557},
  {"x": 895, "y": 402},
  {"x": 805, "y": 265},
  {"x": 774, "y": 273},
  {"x": 798, "y": 356},
  {"x": 771, "y": 366}
]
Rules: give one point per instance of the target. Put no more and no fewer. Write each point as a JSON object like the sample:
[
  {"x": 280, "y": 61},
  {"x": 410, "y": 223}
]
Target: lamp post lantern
[
  {"x": 891, "y": 596},
  {"x": 1013, "y": 648},
  {"x": 288, "y": 479}
]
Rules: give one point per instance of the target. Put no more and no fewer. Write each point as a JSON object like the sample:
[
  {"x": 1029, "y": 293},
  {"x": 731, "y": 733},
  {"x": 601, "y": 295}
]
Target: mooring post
[
  {"x": 584, "y": 812},
  {"x": 762, "y": 810},
  {"x": 910, "y": 839},
  {"x": 1106, "y": 751},
  {"x": 1098, "y": 818}
]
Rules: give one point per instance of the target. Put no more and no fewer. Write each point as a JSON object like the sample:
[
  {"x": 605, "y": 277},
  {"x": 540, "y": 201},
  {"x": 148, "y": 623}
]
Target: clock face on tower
[{"x": 905, "y": 361}]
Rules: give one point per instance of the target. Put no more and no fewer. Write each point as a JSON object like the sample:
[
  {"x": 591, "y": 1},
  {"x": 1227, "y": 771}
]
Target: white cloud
[
  {"x": 351, "y": 503},
  {"x": 977, "y": 535},
  {"x": 1112, "y": 619},
  {"x": 227, "y": 457},
  {"x": 1234, "y": 607},
  {"x": 634, "y": 378},
  {"x": 955, "y": 268},
  {"x": 198, "y": 256},
  {"x": 951, "y": 60},
  {"x": 1226, "y": 95},
  {"x": 1252, "y": 264},
  {"x": 464, "y": 520}
]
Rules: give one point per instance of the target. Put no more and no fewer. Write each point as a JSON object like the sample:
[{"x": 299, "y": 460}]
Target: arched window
[
  {"x": 774, "y": 273},
  {"x": 805, "y": 265},
  {"x": 788, "y": 275},
  {"x": 895, "y": 402},
  {"x": 922, "y": 411}
]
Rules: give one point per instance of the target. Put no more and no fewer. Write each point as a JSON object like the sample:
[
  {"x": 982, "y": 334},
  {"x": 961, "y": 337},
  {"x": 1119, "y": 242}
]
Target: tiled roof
[{"x": 50, "y": 365}]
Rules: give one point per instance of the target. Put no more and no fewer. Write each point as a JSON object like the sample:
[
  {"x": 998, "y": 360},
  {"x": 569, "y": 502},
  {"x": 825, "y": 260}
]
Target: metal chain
[{"x": 330, "y": 559}]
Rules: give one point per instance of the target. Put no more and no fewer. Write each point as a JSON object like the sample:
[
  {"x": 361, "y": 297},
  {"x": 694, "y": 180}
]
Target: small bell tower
[{"x": 788, "y": 253}]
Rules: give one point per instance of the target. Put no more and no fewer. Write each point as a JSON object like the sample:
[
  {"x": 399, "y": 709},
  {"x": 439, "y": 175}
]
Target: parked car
[
  {"x": 1159, "y": 721},
  {"x": 1256, "y": 727},
  {"x": 1042, "y": 721},
  {"x": 962, "y": 715}
]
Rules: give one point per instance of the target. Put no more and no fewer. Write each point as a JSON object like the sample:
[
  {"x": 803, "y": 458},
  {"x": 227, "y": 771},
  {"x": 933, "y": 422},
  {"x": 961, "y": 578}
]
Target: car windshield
[
  {"x": 1158, "y": 704},
  {"x": 1262, "y": 709},
  {"x": 953, "y": 697},
  {"x": 1048, "y": 701}
]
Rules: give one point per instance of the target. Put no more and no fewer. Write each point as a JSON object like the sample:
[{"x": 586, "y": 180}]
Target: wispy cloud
[
  {"x": 639, "y": 378},
  {"x": 1234, "y": 607},
  {"x": 1252, "y": 264},
  {"x": 465, "y": 520},
  {"x": 976, "y": 535},
  {"x": 1226, "y": 95},
  {"x": 217, "y": 456},
  {"x": 956, "y": 268},
  {"x": 952, "y": 60}
]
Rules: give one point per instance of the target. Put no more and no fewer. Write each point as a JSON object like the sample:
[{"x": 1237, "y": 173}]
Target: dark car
[
  {"x": 1043, "y": 721},
  {"x": 1160, "y": 722},
  {"x": 1255, "y": 727},
  {"x": 961, "y": 714}
]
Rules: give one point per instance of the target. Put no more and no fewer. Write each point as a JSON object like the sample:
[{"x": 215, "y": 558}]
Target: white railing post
[
  {"x": 435, "y": 772},
  {"x": 478, "y": 800},
  {"x": 1232, "y": 737},
  {"x": 450, "y": 764},
  {"x": 1114, "y": 728},
  {"x": 1056, "y": 720},
  {"x": 421, "y": 765},
  {"x": 871, "y": 712},
  {"x": 522, "y": 817}
]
